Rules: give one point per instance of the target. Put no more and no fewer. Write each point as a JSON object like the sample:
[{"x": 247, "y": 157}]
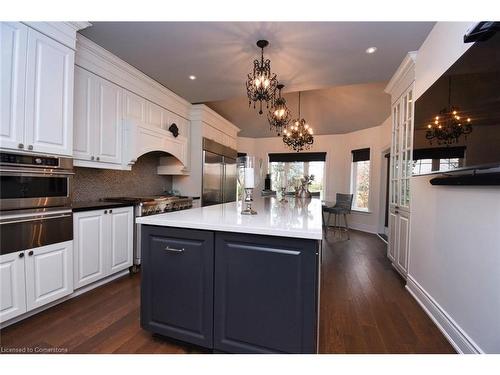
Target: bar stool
[{"x": 342, "y": 207}]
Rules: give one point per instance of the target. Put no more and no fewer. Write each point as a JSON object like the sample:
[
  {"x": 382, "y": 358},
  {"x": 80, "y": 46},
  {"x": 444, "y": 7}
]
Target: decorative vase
[{"x": 303, "y": 192}]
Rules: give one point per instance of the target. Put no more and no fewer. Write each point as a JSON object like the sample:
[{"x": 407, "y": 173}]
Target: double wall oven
[{"x": 35, "y": 201}]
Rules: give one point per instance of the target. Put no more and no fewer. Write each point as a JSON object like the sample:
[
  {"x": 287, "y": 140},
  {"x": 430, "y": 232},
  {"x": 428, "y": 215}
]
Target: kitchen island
[{"x": 234, "y": 283}]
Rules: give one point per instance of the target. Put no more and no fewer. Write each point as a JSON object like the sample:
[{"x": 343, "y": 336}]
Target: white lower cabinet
[
  {"x": 399, "y": 235},
  {"x": 49, "y": 273},
  {"x": 403, "y": 241},
  {"x": 35, "y": 277},
  {"x": 103, "y": 243},
  {"x": 12, "y": 286},
  {"x": 121, "y": 236},
  {"x": 392, "y": 245},
  {"x": 89, "y": 262}
]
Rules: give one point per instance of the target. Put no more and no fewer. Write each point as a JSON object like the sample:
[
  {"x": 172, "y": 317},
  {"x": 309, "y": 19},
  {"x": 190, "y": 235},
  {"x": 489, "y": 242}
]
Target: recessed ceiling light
[
  {"x": 371, "y": 50},
  {"x": 192, "y": 78}
]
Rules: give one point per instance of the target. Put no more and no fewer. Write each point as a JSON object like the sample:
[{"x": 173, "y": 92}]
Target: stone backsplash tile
[{"x": 93, "y": 184}]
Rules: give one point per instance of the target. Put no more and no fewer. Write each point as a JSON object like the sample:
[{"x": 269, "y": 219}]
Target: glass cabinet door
[{"x": 401, "y": 150}]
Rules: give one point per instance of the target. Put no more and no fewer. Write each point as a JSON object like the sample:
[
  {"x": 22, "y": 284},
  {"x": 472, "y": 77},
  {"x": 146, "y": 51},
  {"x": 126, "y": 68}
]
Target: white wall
[
  {"x": 338, "y": 164},
  {"x": 454, "y": 268}
]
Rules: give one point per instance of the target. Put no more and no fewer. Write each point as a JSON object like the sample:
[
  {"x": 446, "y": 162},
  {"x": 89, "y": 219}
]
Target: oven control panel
[{"x": 42, "y": 161}]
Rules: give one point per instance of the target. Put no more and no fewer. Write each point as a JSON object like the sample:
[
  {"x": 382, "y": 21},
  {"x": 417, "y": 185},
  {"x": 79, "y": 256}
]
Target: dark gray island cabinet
[{"x": 231, "y": 292}]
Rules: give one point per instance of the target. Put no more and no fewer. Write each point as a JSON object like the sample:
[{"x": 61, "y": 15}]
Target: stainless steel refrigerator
[{"x": 219, "y": 182}]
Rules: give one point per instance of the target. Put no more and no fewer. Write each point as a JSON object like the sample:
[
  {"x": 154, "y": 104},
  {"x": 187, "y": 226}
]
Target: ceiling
[
  {"x": 305, "y": 55},
  {"x": 334, "y": 110},
  {"x": 342, "y": 85}
]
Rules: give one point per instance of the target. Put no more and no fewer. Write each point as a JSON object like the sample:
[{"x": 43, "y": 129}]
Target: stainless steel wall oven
[
  {"x": 34, "y": 181},
  {"x": 35, "y": 201}
]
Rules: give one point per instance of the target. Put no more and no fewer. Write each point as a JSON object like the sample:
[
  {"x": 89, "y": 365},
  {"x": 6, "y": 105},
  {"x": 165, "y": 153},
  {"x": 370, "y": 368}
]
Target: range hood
[{"x": 141, "y": 138}]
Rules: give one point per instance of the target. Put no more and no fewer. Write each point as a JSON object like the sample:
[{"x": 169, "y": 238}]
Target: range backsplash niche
[{"x": 90, "y": 184}]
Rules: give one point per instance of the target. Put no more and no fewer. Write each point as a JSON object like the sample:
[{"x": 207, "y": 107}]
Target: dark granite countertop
[{"x": 97, "y": 205}]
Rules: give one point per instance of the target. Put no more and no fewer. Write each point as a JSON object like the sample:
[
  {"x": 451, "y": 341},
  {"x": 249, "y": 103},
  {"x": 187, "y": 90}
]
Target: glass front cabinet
[{"x": 401, "y": 89}]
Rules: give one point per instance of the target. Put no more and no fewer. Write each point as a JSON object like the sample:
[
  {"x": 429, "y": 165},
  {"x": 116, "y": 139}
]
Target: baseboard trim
[
  {"x": 75, "y": 293},
  {"x": 456, "y": 336},
  {"x": 364, "y": 228},
  {"x": 382, "y": 238}
]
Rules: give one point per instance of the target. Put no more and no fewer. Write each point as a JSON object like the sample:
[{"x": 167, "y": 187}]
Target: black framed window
[
  {"x": 360, "y": 178},
  {"x": 287, "y": 169}
]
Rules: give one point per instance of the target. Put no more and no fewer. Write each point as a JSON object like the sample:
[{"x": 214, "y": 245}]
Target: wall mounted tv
[{"x": 457, "y": 120}]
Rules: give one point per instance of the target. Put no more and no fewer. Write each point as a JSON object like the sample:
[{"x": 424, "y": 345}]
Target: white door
[
  {"x": 84, "y": 114},
  {"x": 134, "y": 106},
  {"x": 121, "y": 231},
  {"x": 13, "y": 44},
  {"x": 49, "y": 95},
  {"x": 90, "y": 261},
  {"x": 49, "y": 273},
  {"x": 12, "y": 286},
  {"x": 403, "y": 235},
  {"x": 392, "y": 245},
  {"x": 108, "y": 131}
]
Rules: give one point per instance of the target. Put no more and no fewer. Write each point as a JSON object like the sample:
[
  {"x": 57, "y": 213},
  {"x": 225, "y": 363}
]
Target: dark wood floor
[{"x": 364, "y": 309}]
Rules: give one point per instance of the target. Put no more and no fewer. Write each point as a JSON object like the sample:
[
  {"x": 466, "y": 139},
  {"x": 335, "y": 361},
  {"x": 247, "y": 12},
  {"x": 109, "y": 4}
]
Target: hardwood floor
[
  {"x": 364, "y": 309},
  {"x": 364, "y": 305}
]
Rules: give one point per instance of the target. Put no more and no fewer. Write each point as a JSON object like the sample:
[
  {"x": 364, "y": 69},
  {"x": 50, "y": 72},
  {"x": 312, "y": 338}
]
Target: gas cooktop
[{"x": 156, "y": 204}]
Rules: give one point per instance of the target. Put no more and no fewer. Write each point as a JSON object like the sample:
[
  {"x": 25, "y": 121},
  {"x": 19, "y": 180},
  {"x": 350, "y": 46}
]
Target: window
[
  {"x": 360, "y": 179},
  {"x": 288, "y": 169}
]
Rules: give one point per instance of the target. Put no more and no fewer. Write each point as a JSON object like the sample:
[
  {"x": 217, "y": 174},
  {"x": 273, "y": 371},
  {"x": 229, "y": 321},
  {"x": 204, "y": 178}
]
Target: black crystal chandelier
[
  {"x": 261, "y": 83},
  {"x": 279, "y": 114},
  {"x": 299, "y": 135},
  {"x": 449, "y": 125}
]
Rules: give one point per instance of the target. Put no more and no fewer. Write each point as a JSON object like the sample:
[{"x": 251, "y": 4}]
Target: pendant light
[
  {"x": 261, "y": 83},
  {"x": 299, "y": 135},
  {"x": 279, "y": 114}
]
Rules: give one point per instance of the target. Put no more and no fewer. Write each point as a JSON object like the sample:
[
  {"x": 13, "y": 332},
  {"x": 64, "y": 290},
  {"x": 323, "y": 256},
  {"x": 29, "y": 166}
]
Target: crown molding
[
  {"x": 96, "y": 59},
  {"x": 63, "y": 32},
  {"x": 406, "y": 67},
  {"x": 201, "y": 112},
  {"x": 78, "y": 25}
]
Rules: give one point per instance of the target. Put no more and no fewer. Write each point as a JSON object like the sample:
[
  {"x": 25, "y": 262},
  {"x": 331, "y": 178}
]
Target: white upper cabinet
[
  {"x": 97, "y": 120},
  {"x": 13, "y": 44},
  {"x": 84, "y": 114},
  {"x": 49, "y": 95},
  {"x": 121, "y": 114},
  {"x": 109, "y": 122},
  {"x": 135, "y": 107}
]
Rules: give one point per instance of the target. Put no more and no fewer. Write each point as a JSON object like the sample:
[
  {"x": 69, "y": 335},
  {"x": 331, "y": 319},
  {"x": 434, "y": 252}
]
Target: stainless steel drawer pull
[
  {"x": 36, "y": 218},
  {"x": 168, "y": 248}
]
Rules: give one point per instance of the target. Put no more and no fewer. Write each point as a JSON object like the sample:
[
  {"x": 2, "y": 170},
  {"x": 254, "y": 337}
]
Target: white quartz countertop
[{"x": 297, "y": 218}]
